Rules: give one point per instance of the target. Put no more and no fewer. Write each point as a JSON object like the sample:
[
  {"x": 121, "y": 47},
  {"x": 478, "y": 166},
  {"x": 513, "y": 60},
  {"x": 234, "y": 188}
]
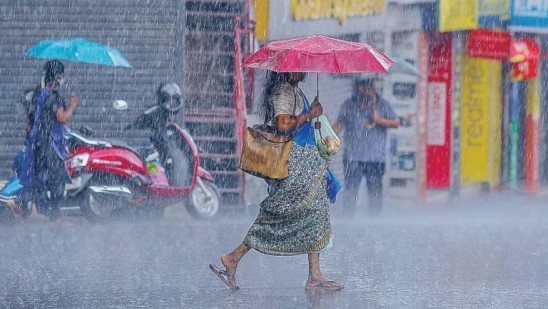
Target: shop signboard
[
  {"x": 524, "y": 55},
  {"x": 438, "y": 136},
  {"x": 293, "y": 18},
  {"x": 458, "y": 52},
  {"x": 529, "y": 16},
  {"x": 524, "y": 49},
  {"x": 487, "y": 43},
  {"x": 458, "y": 15},
  {"x": 437, "y": 103},
  {"x": 475, "y": 120},
  {"x": 411, "y": 1},
  {"x": 318, "y": 9},
  {"x": 401, "y": 90},
  {"x": 421, "y": 116},
  {"x": 523, "y": 70},
  {"x": 532, "y": 136},
  {"x": 493, "y": 12},
  {"x": 481, "y": 124},
  {"x": 495, "y": 122}
]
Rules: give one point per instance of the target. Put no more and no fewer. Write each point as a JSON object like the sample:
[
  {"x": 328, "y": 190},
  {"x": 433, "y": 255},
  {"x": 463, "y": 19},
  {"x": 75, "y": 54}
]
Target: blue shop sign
[{"x": 529, "y": 15}]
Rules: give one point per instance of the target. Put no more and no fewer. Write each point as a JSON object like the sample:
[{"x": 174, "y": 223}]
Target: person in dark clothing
[
  {"x": 44, "y": 155},
  {"x": 175, "y": 161},
  {"x": 365, "y": 117}
]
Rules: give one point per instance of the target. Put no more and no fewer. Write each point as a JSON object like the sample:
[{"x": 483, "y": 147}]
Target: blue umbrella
[{"x": 78, "y": 50}]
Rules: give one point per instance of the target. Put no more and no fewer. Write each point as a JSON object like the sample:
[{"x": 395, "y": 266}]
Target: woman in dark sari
[
  {"x": 43, "y": 167},
  {"x": 294, "y": 218}
]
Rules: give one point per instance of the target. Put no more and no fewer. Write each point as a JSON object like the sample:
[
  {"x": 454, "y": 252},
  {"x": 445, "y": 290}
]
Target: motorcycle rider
[
  {"x": 43, "y": 168},
  {"x": 155, "y": 118}
]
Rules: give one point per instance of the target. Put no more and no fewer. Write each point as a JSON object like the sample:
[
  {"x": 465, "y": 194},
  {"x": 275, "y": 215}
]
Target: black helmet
[
  {"x": 53, "y": 70},
  {"x": 169, "y": 96}
]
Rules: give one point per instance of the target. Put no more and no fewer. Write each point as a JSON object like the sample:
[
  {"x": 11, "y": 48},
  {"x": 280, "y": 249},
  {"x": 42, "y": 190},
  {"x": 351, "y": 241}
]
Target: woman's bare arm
[
  {"x": 286, "y": 123},
  {"x": 63, "y": 115}
]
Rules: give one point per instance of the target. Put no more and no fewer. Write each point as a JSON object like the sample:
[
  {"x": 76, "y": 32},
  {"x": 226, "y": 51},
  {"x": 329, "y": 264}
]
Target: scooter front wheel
[
  {"x": 15, "y": 209},
  {"x": 204, "y": 200},
  {"x": 6, "y": 214}
]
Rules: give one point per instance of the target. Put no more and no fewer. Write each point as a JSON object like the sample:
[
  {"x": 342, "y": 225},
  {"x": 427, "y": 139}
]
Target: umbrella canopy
[
  {"x": 319, "y": 54},
  {"x": 78, "y": 50},
  {"x": 402, "y": 66}
]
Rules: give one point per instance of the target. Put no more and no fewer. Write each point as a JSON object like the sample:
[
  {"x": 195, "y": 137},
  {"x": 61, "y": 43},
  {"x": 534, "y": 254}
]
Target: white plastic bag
[{"x": 327, "y": 141}]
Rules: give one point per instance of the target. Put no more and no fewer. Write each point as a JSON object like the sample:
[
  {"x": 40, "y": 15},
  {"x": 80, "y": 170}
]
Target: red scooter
[{"x": 113, "y": 178}]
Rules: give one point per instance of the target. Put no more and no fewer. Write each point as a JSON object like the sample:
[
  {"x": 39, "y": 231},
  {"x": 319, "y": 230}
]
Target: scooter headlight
[{"x": 80, "y": 160}]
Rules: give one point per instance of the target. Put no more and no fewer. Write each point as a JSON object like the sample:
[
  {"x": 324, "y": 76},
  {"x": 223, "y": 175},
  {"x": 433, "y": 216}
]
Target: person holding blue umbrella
[{"x": 43, "y": 169}]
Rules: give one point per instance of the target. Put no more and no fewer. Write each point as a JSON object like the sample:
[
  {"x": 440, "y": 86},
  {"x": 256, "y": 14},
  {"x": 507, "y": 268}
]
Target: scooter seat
[{"x": 144, "y": 149}]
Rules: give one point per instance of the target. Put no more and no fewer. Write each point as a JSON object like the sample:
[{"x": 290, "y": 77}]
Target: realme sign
[{"x": 341, "y": 9}]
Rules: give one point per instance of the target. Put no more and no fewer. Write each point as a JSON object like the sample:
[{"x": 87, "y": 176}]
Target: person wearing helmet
[
  {"x": 169, "y": 97},
  {"x": 43, "y": 168},
  {"x": 168, "y": 105}
]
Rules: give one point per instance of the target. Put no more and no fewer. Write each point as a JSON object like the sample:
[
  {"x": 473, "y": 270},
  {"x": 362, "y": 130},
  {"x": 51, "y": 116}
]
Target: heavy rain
[{"x": 415, "y": 174}]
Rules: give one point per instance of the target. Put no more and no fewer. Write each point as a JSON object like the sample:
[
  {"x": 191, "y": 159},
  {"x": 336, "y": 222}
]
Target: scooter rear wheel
[{"x": 95, "y": 208}]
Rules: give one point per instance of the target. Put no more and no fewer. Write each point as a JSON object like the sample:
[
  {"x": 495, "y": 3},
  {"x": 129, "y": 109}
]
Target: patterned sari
[{"x": 294, "y": 218}]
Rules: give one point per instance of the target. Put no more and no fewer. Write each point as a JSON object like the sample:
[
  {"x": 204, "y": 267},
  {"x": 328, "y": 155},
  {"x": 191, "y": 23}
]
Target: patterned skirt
[{"x": 294, "y": 217}]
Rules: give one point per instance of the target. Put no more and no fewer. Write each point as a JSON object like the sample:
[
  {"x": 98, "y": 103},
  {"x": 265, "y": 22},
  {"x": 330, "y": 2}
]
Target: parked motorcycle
[
  {"x": 112, "y": 178},
  {"x": 116, "y": 176}
]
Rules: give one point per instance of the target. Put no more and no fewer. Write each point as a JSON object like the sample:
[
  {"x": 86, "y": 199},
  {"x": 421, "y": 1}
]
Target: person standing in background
[{"x": 365, "y": 118}]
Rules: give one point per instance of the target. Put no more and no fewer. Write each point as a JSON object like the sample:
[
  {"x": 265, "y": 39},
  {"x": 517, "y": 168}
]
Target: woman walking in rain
[
  {"x": 294, "y": 218},
  {"x": 44, "y": 157}
]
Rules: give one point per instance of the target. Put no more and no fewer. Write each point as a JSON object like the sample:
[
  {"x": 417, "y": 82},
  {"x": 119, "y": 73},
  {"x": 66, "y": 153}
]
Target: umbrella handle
[{"x": 317, "y": 86}]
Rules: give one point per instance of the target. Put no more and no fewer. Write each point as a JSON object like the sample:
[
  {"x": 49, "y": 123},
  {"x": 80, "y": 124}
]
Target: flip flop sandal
[
  {"x": 327, "y": 285},
  {"x": 224, "y": 276}
]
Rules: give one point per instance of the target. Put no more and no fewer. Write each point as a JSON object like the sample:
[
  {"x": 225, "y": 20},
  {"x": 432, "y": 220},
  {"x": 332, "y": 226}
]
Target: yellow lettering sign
[
  {"x": 480, "y": 126},
  {"x": 494, "y": 8},
  {"x": 340, "y": 9}
]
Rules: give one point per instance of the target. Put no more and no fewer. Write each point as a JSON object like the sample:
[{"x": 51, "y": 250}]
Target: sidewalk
[
  {"x": 256, "y": 192},
  {"x": 469, "y": 194}
]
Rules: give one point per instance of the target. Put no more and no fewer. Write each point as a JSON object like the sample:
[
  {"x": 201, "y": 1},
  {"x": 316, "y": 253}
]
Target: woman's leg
[
  {"x": 231, "y": 260},
  {"x": 316, "y": 278},
  {"x": 314, "y": 270}
]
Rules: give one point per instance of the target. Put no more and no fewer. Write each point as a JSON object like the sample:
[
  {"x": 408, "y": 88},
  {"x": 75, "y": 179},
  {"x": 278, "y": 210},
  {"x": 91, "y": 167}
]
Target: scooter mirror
[{"x": 120, "y": 105}]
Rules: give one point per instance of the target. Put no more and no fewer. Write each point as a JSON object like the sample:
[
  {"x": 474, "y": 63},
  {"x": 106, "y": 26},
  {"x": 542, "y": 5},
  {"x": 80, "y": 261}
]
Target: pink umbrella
[{"x": 320, "y": 54}]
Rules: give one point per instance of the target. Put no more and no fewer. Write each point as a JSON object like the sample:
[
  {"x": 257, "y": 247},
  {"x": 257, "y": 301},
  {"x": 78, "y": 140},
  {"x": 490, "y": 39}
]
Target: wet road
[{"x": 491, "y": 254}]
